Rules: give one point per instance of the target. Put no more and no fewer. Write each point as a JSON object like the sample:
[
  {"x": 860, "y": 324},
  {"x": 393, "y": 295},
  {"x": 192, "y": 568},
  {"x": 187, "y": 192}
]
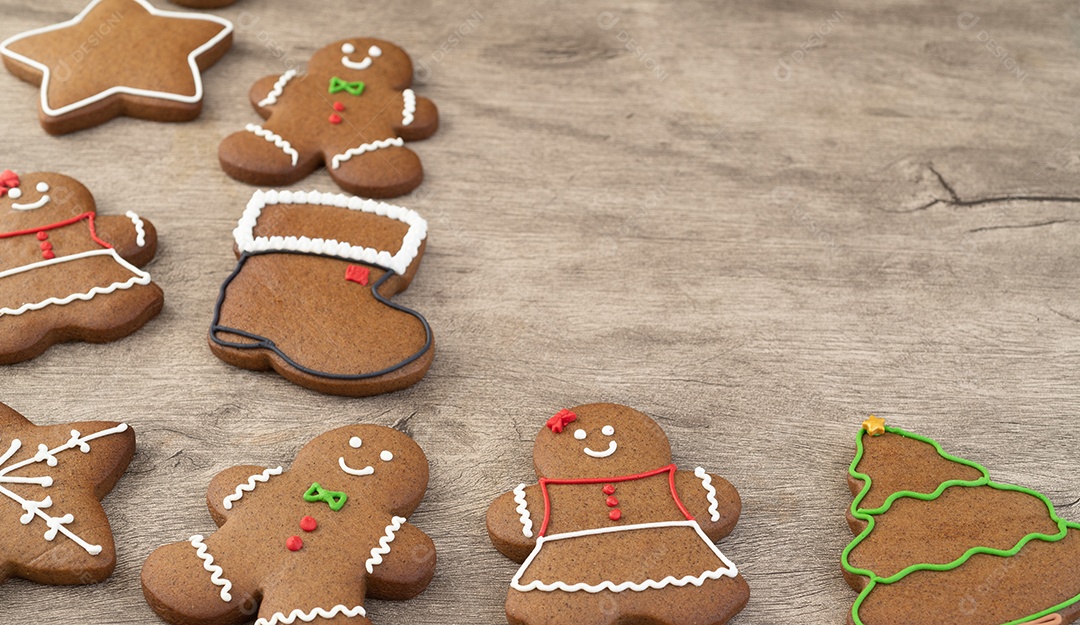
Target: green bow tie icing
[
  {"x": 334, "y": 499},
  {"x": 338, "y": 85}
]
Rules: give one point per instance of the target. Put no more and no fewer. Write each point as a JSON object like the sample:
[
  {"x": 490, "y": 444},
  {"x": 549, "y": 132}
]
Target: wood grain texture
[{"x": 640, "y": 204}]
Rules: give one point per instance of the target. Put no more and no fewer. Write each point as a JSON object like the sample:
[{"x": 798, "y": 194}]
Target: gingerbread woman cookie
[
  {"x": 614, "y": 532},
  {"x": 310, "y": 295},
  {"x": 352, "y": 111},
  {"x": 66, "y": 273},
  {"x": 118, "y": 57},
  {"x": 53, "y": 529},
  {"x": 939, "y": 543},
  {"x": 305, "y": 544}
]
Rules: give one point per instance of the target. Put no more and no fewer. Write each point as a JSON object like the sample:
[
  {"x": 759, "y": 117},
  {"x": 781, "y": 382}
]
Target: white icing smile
[
  {"x": 16, "y": 193},
  {"x": 374, "y": 52},
  {"x": 612, "y": 446},
  {"x": 368, "y": 470}
]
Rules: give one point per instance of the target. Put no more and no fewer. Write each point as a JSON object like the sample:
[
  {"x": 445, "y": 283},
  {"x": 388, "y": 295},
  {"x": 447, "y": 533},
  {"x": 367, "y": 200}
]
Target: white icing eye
[
  {"x": 355, "y": 442},
  {"x": 42, "y": 187},
  {"x": 386, "y": 455},
  {"x": 348, "y": 48},
  {"x": 579, "y": 434},
  {"x": 374, "y": 52},
  {"x": 608, "y": 430},
  {"x": 15, "y": 193}
]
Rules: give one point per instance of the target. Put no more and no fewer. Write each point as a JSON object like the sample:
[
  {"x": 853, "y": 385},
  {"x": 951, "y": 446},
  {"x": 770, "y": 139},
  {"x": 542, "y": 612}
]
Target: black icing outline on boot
[{"x": 265, "y": 343}]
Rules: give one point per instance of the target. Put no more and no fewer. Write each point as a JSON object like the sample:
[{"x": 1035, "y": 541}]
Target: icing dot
[
  {"x": 374, "y": 52},
  {"x": 386, "y": 455},
  {"x": 42, "y": 187},
  {"x": 335, "y": 118},
  {"x": 308, "y": 524},
  {"x": 355, "y": 442},
  {"x": 15, "y": 193},
  {"x": 615, "y": 514},
  {"x": 294, "y": 543},
  {"x": 338, "y": 106},
  {"x": 41, "y": 236},
  {"x": 609, "y": 489},
  {"x": 611, "y": 502},
  {"x": 579, "y": 434},
  {"x": 608, "y": 430},
  {"x": 348, "y": 48}
]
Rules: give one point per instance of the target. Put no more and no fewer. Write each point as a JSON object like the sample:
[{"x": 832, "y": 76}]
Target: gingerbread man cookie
[
  {"x": 614, "y": 532},
  {"x": 940, "y": 543},
  {"x": 352, "y": 111},
  {"x": 66, "y": 273},
  {"x": 118, "y": 57},
  {"x": 53, "y": 529},
  {"x": 310, "y": 295},
  {"x": 307, "y": 544}
]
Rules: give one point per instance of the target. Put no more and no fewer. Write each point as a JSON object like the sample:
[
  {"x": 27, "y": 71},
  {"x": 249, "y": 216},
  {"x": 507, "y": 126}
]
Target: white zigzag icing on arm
[
  {"x": 276, "y": 139},
  {"x": 214, "y": 570},
  {"x": 339, "y": 610},
  {"x": 336, "y": 162},
  {"x": 249, "y": 486},
  {"x": 523, "y": 510},
  {"x": 408, "y": 113},
  {"x": 384, "y": 544},
  {"x": 706, "y": 481},
  {"x": 140, "y": 227},
  {"x": 279, "y": 88}
]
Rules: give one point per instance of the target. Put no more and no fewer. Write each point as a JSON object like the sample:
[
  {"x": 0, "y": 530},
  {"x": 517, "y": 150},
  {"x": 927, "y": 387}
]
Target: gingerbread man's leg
[
  {"x": 309, "y": 598},
  {"x": 183, "y": 583},
  {"x": 537, "y": 607},
  {"x": 712, "y": 603},
  {"x": 380, "y": 169},
  {"x": 260, "y": 156}
]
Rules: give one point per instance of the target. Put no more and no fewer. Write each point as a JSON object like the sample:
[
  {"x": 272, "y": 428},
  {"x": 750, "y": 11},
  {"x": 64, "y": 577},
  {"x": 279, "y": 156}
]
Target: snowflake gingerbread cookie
[
  {"x": 66, "y": 273},
  {"x": 938, "y": 542},
  {"x": 305, "y": 544},
  {"x": 614, "y": 532},
  {"x": 352, "y": 111},
  {"x": 52, "y": 479}
]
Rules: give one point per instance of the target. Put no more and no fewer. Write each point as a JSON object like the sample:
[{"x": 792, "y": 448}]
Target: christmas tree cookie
[{"x": 939, "y": 542}]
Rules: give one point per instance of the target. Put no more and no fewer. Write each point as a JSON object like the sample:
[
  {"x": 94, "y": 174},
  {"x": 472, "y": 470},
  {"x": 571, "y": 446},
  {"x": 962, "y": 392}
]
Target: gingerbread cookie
[
  {"x": 310, "y": 295},
  {"x": 52, "y": 479},
  {"x": 352, "y": 111},
  {"x": 66, "y": 273},
  {"x": 940, "y": 543},
  {"x": 613, "y": 532},
  {"x": 304, "y": 544},
  {"x": 118, "y": 57}
]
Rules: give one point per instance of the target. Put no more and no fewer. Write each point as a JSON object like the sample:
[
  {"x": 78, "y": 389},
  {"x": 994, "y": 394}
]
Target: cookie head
[
  {"x": 599, "y": 440},
  {"x": 35, "y": 199},
  {"x": 369, "y": 463},
  {"x": 365, "y": 59}
]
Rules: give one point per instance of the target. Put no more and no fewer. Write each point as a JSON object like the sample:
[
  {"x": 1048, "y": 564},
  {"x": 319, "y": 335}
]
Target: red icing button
[
  {"x": 48, "y": 255},
  {"x": 294, "y": 543},
  {"x": 609, "y": 489},
  {"x": 612, "y": 502},
  {"x": 45, "y": 245},
  {"x": 338, "y": 106},
  {"x": 615, "y": 514},
  {"x": 41, "y": 236},
  {"x": 335, "y": 119},
  {"x": 308, "y": 524}
]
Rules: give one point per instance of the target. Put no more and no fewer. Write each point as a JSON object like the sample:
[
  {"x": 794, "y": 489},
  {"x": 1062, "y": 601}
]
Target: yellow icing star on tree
[{"x": 874, "y": 426}]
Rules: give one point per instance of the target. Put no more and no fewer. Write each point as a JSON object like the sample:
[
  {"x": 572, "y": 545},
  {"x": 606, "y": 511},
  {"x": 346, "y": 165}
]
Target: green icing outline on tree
[{"x": 869, "y": 515}]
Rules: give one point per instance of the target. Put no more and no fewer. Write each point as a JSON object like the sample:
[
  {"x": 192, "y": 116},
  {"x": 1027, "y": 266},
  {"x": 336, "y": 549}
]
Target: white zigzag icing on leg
[
  {"x": 249, "y": 486},
  {"x": 215, "y": 570},
  {"x": 706, "y": 481},
  {"x": 523, "y": 510},
  {"x": 384, "y": 544},
  {"x": 339, "y": 610}
]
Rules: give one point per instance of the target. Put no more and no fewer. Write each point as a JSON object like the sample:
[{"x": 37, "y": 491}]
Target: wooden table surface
[{"x": 756, "y": 222}]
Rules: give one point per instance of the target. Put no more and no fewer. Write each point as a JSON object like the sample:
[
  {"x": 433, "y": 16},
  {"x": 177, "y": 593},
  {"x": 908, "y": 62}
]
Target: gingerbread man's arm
[
  {"x": 425, "y": 117},
  {"x": 711, "y": 500},
  {"x": 133, "y": 237},
  {"x": 268, "y": 91},
  {"x": 407, "y": 569},
  {"x": 513, "y": 521},
  {"x": 236, "y": 487}
]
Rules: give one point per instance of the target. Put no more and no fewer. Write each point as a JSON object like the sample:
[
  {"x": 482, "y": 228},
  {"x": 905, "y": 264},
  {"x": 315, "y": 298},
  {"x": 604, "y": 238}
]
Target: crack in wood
[
  {"x": 1021, "y": 226},
  {"x": 954, "y": 199}
]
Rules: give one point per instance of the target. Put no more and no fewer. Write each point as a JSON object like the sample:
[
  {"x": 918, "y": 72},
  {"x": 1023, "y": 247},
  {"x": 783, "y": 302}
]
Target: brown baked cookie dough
[
  {"x": 204, "y": 4},
  {"x": 118, "y": 57},
  {"x": 939, "y": 543},
  {"x": 614, "y": 532}
]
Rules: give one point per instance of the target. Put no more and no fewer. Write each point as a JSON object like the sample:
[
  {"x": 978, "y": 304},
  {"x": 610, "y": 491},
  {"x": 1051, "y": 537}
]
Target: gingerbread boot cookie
[
  {"x": 352, "y": 111},
  {"x": 66, "y": 273},
  {"x": 614, "y": 532},
  {"x": 307, "y": 544}
]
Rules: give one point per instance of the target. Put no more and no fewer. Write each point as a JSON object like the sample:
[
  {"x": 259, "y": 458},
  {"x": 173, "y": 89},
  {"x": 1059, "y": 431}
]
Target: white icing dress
[
  {"x": 626, "y": 533},
  {"x": 59, "y": 263}
]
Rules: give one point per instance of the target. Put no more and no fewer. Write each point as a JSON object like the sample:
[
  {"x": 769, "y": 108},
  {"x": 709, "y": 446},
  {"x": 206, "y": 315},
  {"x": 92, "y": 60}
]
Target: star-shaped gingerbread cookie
[
  {"x": 118, "y": 57},
  {"x": 53, "y": 529}
]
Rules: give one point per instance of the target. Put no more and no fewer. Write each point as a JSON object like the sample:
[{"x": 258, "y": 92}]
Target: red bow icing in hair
[
  {"x": 8, "y": 181},
  {"x": 562, "y": 419}
]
